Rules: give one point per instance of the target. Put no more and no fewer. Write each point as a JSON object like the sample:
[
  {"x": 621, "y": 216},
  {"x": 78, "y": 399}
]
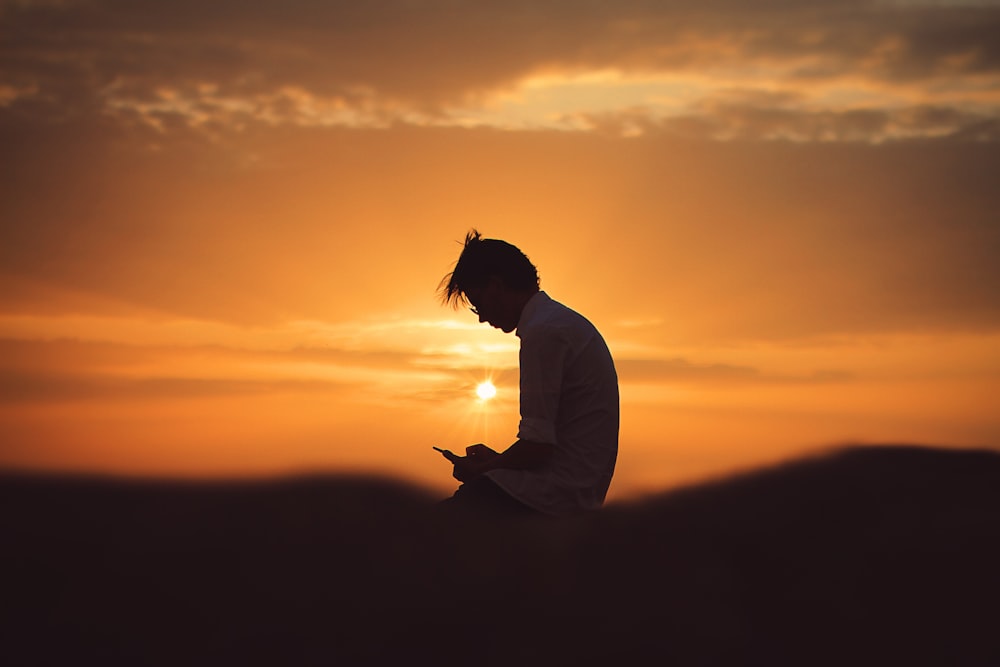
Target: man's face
[{"x": 492, "y": 305}]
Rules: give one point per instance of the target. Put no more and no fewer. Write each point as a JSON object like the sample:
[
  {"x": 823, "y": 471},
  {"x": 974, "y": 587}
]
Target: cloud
[
  {"x": 76, "y": 358},
  {"x": 258, "y": 163},
  {"x": 752, "y": 122},
  {"x": 73, "y": 370},
  {"x": 33, "y": 388},
  {"x": 392, "y": 341},
  {"x": 657, "y": 370},
  {"x": 735, "y": 239},
  {"x": 682, "y": 371},
  {"x": 181, "y": 65}
]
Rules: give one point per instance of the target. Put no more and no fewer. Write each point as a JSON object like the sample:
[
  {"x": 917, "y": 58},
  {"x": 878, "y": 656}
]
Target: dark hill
[{"x": 867, "y": 556}]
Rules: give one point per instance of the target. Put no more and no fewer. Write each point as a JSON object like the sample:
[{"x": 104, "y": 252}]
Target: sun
[{"x": 485, "y": 390}]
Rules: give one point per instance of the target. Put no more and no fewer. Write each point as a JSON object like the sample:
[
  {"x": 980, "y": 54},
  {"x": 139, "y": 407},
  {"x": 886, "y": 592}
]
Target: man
[{"x": 567, "y": 440}]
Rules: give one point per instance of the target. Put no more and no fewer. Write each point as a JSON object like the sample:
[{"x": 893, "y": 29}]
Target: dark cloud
[
  {"x": 75, "y": 57},
  {"x": 726, "y": 120}
]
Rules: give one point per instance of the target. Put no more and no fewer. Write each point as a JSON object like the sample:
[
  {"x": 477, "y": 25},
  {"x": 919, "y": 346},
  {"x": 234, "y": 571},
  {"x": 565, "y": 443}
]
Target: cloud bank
[{"x": 827, "y": 71}]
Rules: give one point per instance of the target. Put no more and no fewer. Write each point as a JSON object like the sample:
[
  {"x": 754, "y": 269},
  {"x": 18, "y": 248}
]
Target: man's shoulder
[
  {"x": 548, "y": 308},
  {"x": 545, "y": 312},
  {"x": 552, "y": 318},
  {"x": 566, "y": 316}
]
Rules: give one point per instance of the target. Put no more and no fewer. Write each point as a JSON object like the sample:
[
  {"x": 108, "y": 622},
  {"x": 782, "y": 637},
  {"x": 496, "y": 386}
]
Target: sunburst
[{"x": 486, "y": 390}]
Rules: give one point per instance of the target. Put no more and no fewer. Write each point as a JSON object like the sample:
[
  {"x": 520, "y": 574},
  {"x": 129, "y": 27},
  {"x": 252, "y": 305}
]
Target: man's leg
[{"x": 483, "y": 496}]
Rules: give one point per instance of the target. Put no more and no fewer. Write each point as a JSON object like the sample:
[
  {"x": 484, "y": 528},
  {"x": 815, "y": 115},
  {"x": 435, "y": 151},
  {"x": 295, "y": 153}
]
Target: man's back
[{"x": 569, "y": 399}]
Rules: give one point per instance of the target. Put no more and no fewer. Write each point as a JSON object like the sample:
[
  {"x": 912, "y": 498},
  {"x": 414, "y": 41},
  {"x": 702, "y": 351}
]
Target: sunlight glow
[{"x": 485, "y": 390}]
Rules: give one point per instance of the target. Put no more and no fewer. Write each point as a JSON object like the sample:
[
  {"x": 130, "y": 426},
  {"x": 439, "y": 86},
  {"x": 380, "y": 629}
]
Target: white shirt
[{"x": 569, "y": 399}]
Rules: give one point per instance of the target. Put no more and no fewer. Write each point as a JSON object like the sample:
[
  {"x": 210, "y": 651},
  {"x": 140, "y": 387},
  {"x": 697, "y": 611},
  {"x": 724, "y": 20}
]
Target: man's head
[{"x": 494, "y": 278}]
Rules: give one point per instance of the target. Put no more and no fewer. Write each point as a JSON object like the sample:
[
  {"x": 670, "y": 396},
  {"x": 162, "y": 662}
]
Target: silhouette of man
[{"x": 567, "y": 440}]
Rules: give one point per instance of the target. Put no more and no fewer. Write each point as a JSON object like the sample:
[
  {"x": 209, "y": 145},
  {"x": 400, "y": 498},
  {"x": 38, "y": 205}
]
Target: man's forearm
[{"x": 522, "y": 455}]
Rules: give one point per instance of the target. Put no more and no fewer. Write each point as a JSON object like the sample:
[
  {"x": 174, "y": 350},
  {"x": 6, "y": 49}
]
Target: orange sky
[{"x": 223, "y": 225}]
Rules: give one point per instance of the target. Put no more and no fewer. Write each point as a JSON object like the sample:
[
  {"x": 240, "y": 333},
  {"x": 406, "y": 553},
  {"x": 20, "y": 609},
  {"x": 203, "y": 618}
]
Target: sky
[{"x": 222, "y": 227}]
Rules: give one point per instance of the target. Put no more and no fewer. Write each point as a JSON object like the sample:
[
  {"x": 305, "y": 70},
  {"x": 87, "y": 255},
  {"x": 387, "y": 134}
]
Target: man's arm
[{"x": 522, "y": 455}]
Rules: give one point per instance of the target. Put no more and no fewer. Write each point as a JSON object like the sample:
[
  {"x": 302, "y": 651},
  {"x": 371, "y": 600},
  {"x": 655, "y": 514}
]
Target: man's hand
[
  {"x": 480, "y": 452},
  {"x": 477, "y": 460}
]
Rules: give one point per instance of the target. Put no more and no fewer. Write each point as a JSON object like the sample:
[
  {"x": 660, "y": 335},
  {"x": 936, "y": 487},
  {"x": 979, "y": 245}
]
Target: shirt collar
[{"x": 530, "y": 308}]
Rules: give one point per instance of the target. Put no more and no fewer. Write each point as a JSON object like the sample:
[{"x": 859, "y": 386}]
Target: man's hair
[{"x": 480, "y": 260}]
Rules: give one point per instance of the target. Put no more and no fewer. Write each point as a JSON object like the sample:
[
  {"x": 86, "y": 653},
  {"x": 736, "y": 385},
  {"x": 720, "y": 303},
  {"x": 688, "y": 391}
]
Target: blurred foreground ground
[{"x": 866, "y": 556}]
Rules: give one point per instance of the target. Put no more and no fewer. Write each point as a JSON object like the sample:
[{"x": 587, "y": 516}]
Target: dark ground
[{"x": 868, "y": 556}]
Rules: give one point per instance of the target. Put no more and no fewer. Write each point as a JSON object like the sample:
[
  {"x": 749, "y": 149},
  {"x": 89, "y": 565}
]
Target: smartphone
[{"x": 450, "y": 455}]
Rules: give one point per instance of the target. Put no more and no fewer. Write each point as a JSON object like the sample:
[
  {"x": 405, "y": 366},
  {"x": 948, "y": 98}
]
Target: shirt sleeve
[{"x": 543, "y": 358}]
